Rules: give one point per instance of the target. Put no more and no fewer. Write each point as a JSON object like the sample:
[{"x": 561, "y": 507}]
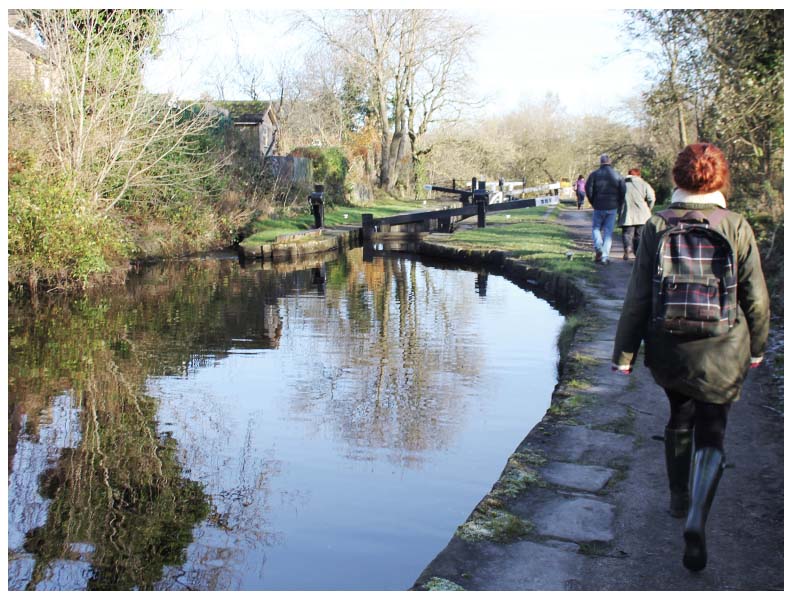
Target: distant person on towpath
[
  {"x": 634, "y": 211},
  {"x": 605, "y": 189},
  {"x": 697, "y": 296},
  {"x": 578, "y": 187}
]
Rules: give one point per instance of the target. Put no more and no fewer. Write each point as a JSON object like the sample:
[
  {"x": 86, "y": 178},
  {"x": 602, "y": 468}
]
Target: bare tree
[
  {"x": 675, "y": 51},
  {"x": 250, "y": 76},
  {"x": 437, "y": 87},
  {"x": 107, "y": 133},
  {"x": 217, "y": 79},
  {"x": 309, "y": 102},
  {"x": 414, "y": 61}
]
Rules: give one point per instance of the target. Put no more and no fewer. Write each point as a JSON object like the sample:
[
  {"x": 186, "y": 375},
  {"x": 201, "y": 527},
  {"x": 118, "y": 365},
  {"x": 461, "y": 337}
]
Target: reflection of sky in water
[
  {"x": 59, "y": 428},
  {"x": 337, "y": 461}
]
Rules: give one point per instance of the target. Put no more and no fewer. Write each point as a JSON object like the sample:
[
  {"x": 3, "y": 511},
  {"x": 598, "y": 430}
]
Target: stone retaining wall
[
  {"x": 562, "y": 291},
  {"x": 294, "y": 246}
]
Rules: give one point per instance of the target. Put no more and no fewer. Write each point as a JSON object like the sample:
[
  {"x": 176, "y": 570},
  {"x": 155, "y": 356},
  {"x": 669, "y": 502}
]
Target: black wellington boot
[
  {"x": 706, "y": 473},
  {"x": 677, "y": 451}
]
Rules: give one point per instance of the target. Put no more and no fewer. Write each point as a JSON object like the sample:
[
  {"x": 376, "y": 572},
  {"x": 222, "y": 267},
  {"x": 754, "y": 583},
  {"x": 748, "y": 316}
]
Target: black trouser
[
  {"x": 709, "y": 421},
  {"x": 631, "y": 235}
]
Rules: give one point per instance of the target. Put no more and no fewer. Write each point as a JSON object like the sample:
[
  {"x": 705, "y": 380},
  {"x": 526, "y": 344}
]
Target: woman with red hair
[{"x": 697, "y": 298}]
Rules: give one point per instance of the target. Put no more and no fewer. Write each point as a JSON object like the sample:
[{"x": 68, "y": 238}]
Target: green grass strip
[{"x": 531, "y": 234}]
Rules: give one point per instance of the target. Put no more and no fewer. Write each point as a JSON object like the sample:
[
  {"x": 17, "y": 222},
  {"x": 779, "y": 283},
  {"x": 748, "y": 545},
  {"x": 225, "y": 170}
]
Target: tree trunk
[
  {"x": 398, "y": 150},
  {"x": 682, "y": 130},
  {"x": 384, "y": 174},
  {"x": 682, "y": 126},
  {"x": 386, "y": 137}
]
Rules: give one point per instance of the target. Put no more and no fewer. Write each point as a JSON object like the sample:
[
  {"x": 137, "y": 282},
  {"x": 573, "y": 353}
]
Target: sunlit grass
[{"x": 531, "y": 234}]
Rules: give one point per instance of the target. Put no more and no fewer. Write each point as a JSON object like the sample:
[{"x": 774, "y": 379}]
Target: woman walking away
[
  {"x": 579, "y": 187},
  {"x": 698, "y": 296}
]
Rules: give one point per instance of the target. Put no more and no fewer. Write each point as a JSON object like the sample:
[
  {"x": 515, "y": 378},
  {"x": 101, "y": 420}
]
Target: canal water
[{"x": 211, "y": 426}]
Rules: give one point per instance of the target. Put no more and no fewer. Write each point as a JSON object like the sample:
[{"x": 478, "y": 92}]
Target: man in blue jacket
[{"x": 606, "y": 192}]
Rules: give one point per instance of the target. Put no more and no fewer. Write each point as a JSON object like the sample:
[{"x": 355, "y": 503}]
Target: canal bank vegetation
[
  {"x": 95, "y": 161},
  {"x": 101, "y": 171}
]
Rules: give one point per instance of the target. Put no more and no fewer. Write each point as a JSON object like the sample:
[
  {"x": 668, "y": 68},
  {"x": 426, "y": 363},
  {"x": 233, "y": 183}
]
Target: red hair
[
  {"x": 702, "y": 168},
  {"x": 635, "y": 171}
]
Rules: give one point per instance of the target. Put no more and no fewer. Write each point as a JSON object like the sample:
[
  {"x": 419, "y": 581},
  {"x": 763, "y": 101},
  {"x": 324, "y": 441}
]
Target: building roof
[{"x": 252, "y": 112}]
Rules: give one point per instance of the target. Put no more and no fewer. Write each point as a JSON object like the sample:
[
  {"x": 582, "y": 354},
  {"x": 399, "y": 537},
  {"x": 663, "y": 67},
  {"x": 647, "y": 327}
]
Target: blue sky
[{"x": 520, "y": 56}]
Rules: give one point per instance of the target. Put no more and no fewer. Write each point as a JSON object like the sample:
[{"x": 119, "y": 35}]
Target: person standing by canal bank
[
  {"x": 605, "y": 189},
  {"x": 634, "y": 212},
  {"x": 578, "y": 187},
  {"x": 703, "y": 329}
]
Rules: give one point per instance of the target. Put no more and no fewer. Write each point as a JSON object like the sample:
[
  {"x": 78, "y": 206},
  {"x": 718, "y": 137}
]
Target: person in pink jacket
[{"x": 578, "y": 187}]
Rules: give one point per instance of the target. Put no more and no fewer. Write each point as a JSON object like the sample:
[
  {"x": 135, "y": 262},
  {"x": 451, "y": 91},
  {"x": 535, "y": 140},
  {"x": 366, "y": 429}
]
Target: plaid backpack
[{"x": 695, "y": 279}]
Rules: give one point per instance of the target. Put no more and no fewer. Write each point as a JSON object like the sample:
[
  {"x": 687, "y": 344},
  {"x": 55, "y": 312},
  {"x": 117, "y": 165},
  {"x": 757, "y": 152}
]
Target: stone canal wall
[{"x": 298, "y": 245}]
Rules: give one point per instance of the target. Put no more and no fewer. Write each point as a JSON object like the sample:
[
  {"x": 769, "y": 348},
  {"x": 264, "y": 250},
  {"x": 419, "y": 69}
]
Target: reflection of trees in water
[
  {"x": 396, "y": 365},
  {"x": 58, "y": 428},
  {"x": 237, "y": 476},
  {"x": 238, "y": 523},
  {"x": 119, "y": 498},
  {"x": 120, "y": 493}
]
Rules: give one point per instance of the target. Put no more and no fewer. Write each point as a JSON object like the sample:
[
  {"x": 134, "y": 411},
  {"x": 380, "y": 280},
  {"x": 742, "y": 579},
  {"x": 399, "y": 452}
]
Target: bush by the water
[{"x": 54, "y": 236}]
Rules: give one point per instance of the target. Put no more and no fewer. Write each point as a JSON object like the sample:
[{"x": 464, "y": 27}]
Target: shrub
[
  {"x": 54, "y": 236},
  {"x": 330, "y": 167}
]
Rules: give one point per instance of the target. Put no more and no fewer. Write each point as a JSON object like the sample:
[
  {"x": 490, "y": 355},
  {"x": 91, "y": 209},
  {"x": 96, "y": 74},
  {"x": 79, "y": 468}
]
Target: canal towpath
[{"x": 582, "y": 502}]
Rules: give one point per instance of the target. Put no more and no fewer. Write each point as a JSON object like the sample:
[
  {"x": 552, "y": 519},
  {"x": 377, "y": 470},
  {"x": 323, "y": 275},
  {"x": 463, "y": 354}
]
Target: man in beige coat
[{"x": 634, "y": 211}]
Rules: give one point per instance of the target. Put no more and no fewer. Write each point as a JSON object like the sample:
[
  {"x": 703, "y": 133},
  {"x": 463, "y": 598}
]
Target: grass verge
[{"x": 530, "y": 234}]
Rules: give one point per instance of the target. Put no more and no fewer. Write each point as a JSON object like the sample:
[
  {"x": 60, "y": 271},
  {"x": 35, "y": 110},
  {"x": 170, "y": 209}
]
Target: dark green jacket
[{"x": 709, "y": 369}]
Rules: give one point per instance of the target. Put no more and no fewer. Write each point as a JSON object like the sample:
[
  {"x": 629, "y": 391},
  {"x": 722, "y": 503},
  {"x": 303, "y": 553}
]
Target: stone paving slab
[
  {"x": 603, "y": 414},
  {"x": 537, "y": 567},
  {"x": 580, "y": 444},
  {"x": 581, "y": 477},
  {"x": 601, "y": 347},
  {"x": 576, "y": 519},
  {"x": 523, "y": 565}
]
